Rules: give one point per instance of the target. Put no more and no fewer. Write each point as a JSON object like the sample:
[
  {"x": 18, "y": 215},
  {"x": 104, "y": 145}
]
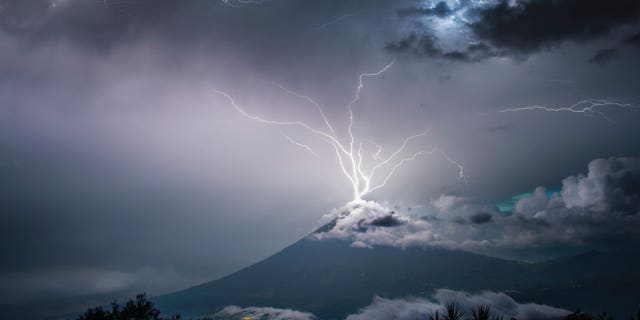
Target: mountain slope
[{"x": 332, "y": 279}]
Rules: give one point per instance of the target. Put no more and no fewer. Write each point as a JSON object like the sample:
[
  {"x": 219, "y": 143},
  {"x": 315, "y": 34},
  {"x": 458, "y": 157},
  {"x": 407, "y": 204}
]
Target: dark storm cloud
[
  {"x": 605, "y": 55},
  {"x": 481, "y": 217},
  {"x": 425, "y": 45},
  {"x": 387, "y": 221},
  {"x": 633, "y": 39},
  {"x": 519, "y": 28},
  {"x": 532, "y": 25}
]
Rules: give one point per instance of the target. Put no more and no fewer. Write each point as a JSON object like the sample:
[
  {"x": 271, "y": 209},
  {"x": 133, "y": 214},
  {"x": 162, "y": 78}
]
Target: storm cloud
[
  {"x": 516, "y": 28},
  {"x": 604, "y": 55},
  {"x": 532, "y": 25},
  {"x": 425, "y": 45}
]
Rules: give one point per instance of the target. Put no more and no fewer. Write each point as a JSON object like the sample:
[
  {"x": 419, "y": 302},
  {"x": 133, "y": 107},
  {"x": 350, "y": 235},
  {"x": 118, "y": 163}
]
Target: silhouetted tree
[
  {"x": 483, "y": 312},
  {"x": 604, "y": 316},
  {"x": 95, "y": 314},
  {"x": 578, "y": 315},
  {"x": 139, "y": 309},
  {"x": 452, "y": 311},
  {"x": 434, "y": 317}
]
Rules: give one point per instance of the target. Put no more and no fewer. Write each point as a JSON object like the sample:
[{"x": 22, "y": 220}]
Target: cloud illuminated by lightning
[
  {"x": 593, "y": 107},
  {"x": 350, "y": 159}
]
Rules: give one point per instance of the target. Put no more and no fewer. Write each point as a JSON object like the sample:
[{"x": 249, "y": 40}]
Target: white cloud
[
  {"x": 419, "y": 308},
  {"x": 411, "y": 308},
  {"x": 611, "y": 185},
  {"x": 368, "y": 224}
]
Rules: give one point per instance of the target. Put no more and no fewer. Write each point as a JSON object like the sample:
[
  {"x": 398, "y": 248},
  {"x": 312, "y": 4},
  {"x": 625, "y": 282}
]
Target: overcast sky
[{"x": 120, "y": 166}]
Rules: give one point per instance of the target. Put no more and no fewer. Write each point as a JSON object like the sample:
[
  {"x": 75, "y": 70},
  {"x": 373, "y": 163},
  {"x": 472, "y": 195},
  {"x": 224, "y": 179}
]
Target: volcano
[{"x": 332, "y": 278}]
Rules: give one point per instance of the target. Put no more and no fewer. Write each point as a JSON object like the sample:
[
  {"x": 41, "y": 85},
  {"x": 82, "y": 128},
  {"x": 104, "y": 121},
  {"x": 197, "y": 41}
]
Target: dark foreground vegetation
[
  {"x": 139, "y": 309},
  {"x": 142, "y": 308},
  {"x": 452, "y": 311}
]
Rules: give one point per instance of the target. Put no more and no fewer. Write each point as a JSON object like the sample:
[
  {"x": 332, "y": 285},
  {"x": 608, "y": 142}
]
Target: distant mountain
[
  {"x": 332, "y": 279},
  {"x": 593, "y": 281}
]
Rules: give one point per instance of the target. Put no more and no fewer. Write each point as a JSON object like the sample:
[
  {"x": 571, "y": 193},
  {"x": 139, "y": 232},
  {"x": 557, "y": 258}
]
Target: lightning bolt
[
  {"x": 591, "y": 107},
  {"x": 299, "y": 144},
  {"x": 350, "y": 159},
  {"x": 333, "y": 21},
  {"x": 240, "y": 3},
  {"x": 118, "y": 5}
]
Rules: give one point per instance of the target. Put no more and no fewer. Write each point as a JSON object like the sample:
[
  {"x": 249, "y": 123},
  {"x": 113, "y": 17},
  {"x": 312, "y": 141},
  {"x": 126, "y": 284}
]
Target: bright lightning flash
[{"x": 350, "y": 159}]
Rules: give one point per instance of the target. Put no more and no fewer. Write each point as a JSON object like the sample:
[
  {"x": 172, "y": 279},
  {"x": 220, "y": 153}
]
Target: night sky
[{"x": 122, "y": 168}]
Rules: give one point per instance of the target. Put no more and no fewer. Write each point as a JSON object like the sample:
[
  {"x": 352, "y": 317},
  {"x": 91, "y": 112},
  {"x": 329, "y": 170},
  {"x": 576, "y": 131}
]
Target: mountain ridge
[{"x": 332, "y": 277}]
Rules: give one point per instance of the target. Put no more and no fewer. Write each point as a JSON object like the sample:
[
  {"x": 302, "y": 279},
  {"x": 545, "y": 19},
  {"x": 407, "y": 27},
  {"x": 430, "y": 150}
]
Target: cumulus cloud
[
  {"x": 418, "y": 308},
  {"x": 262, "y": 313},
  {"x": 597, "y": 209},
  {"x": 611, "y": 186},
  {"x": 600, "y": 207}
]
